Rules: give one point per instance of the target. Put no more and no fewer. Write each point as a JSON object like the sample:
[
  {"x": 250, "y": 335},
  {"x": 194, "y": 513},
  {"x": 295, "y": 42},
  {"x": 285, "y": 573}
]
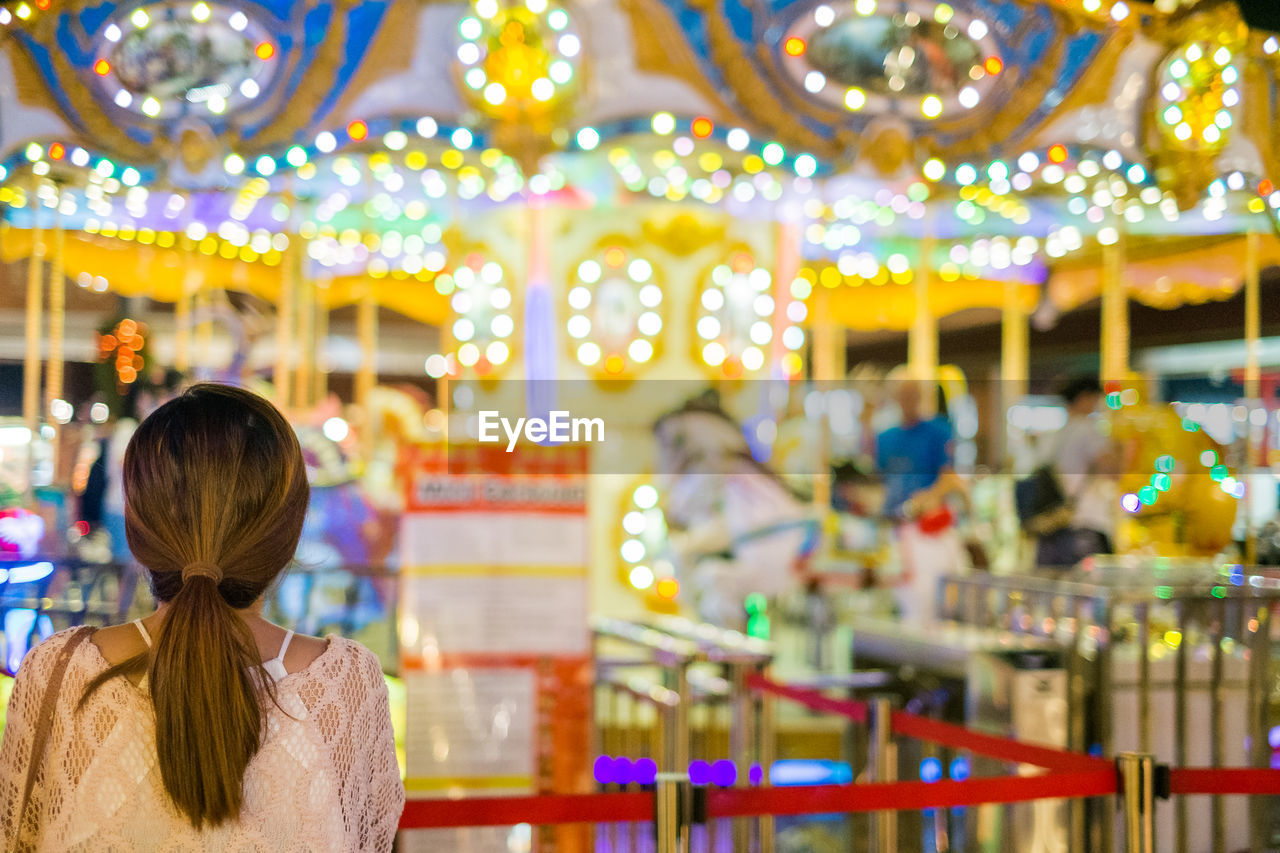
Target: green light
[
  {"x": 1113, "y": 400},
  {"x": 1164, "y": 592},
  {"x": 1147, "y": 495},
  {"x": 1164, "y": 464},
  {"x": 1190, "y": 425},
  {"x": 756, "y": 603},
  {"x": 1161, "y": 482},
  {"x": 1209, "y": 458},
  {"x": 1217, "y": 472},
  {"x": 1218, "y": 592}
]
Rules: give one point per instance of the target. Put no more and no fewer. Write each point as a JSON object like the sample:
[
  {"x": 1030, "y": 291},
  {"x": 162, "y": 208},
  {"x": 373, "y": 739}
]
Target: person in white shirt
[{"x": 1084, "y": 457}]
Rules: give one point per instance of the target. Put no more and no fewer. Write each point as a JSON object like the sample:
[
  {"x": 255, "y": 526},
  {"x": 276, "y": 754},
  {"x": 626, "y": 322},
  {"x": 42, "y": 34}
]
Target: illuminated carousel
[{"x": 616, "y": 191}]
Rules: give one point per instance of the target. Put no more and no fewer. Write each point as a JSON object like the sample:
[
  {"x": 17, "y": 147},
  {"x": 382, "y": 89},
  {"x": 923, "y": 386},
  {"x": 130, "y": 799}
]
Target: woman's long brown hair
[{"x": 213, "y": 476}]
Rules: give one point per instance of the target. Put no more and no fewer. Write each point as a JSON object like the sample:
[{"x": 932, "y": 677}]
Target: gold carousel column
[
  {"x": 367, "y": 333},
  {"x": 306, "y": 333},
  {"x": 1115, "y": 312},
  {"x": 828, "y": 368},
  {"x": 204, "y": 327},
  {"x": 281, "y": 376},
  {"x": 320, "y": 381},
  {"x": 1252, "y": 391},
  {"x": 922, "y": 340},
  {"x": 35, "y": 302},
  {"x": 1015, "y": 355},
  {"x": 55, "y": 366},
  {"x": 182, "y": 320}
]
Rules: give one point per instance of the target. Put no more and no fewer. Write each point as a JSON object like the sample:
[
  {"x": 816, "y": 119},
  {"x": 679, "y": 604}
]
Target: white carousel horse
[{"x": 735, "y": 528}]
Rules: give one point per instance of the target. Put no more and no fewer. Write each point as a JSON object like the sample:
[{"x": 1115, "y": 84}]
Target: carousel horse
[{"x": 735, "y": 528}]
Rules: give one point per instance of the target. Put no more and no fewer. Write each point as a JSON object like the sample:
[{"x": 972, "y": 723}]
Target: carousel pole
[
  {"x": 1252, "y": 377},
  {"x": 922, "y": 340},
  {"x": 54, "y": 367},
  {"x": 204, "y": 328},
  {"x": 1115, "y": 312},
  {"x": 1015, "y": 354},
  {"x": 280, "y": 376},
  {"x": 367, "y": 332},
  {"x": 306, "y": 331},
  {"x": 182, "y": 320},
  {"x": 320, "y": 383},
  {"x": 31, "y": 362}
]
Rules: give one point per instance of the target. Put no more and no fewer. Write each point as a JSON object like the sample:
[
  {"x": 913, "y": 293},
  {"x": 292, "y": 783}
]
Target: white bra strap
[
  {"x": 142, "y": 629},
  {"x": 284, "y": 647}
]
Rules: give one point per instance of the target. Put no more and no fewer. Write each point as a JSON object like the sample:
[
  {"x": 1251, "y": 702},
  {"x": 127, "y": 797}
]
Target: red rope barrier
[
  {"x": 936, "y": 731},
  {"x": 908, "y": 796},
  {"x": 1218, "y": 780},
  {"x": 856, "y": 711},
  {"x": 1005, "y": 749},
  {"x": 540, "y": 810}
]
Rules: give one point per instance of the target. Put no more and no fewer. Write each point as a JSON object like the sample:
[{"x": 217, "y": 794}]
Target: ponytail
[
  {"x": 215, "y": 497},
  {"x": 207, "y": 706}
]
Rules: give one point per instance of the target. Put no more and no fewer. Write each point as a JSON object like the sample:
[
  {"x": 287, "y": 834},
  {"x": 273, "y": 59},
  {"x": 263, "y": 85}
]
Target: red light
[
  {"x": 57, "y": 151},
  {"x": 614, "y": 364},
  {"x": 993, "y": 65},
  {"x": 43, "y": 4},
  {"x": 614, "y": 256},
  {"x": 1057, "y": 154},
  {"x": 732, "y": 368},
  {"x": 667, "y": 588},
  {"x": 102, "y": 68},
  {"x": 358, "y": 130},
  {"x": 265, "y": 50},
  {"x": 82, "y": 527},
  {"x": 1265, "y": 187},
  {"x": 702, "y": 127},
  {"x": 794, "y": 46}
]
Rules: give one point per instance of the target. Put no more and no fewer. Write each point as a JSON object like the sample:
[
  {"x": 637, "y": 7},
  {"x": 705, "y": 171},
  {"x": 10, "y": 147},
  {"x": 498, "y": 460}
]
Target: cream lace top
[{"x": 325, "y": 780}]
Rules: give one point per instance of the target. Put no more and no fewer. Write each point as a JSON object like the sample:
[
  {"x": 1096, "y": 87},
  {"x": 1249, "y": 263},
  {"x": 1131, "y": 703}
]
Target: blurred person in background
[
  {"x": 1085, "y": 460},
  {"x": 914, "y": 459}
]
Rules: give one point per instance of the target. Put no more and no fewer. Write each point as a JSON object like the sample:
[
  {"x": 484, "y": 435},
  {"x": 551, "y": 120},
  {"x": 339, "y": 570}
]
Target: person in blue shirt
[
  {"x": 912, "y": 457},
  {"x": 914, "y": 460}
]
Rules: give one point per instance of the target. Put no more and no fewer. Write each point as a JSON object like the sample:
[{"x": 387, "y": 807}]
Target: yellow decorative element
[{"x": 683, "y": 234}]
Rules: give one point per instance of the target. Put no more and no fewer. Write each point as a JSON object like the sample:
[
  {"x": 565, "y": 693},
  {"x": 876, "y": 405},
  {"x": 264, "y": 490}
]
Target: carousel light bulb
[
  {"x": 336, "y": 429},
  {"x": 502, "y": 326},
  {"x": 737, "y": 139},
  {"x": 931, "y": 106},
  {"x": 649, "y": 323},
  {"x": 495, "y": 94},
  {"x": 112, "y": 33},
  {"x": 639, "y": 270},
  {"x": 641, "y": 577},
  {"x": 1222, "y": 55},
  {"x": 865, "y": 7},
  {"x": 151, "y": 107},
  {"x": 265, "y": 165},
  {"x": 558, "y": 19},
  {"x": 326, "y": 142},
  {"x": 234, "y": 164},
  {"x": 588, "y": 354},
  {"x": 1119, "y": 11},
  {"x": 793, "y": 337},
  {"x": 497, "y": 352},
  {"x": 645, "y": 496},
  {"x": 712, "y": 299},
  {"x": 578, "y": 326},
  {"x": 140, "y": 18},
  {"x": 589, "y": 272},
  {"x": 934, "y": 169},
  {"x": 560, "y": 72},
  {"x": 238, "y": 21},
  {"x": 568, "y": 45},
  {"x": 588, "y": 138},
  {"x": 708, "y": 328},
  {"x": 752, "y": 358},
  {"x": 201, "y": 12},
  {"x": 814, "y": 82},
  {"x": 761, "y": 332},
  {"x": 579, "y": 298},
  {"x": 650, "y": 295},
  {"x": 640, "y": 350},
  {"x": 763, "y": 305},
  {"x": 500, "y": 298},
  {"x": 1230, "y": 75},
  {"x": 713, "y": 354},
  {"x": 1211, "y": 134},
  {"x": 463, "y": 329},
  {"x": 437, "y": 366},
  {"x": 468, "y": 354},
  {"x": 806, "y": 165}
]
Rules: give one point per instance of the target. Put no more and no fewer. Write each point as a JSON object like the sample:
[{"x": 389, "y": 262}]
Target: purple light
[
  {"x": 623, "y": 771},
  {"x": 724, "y": 773},
  {"x": 1130, "y": 502},
  {"x": 604, "y": 770},
  {"x": 700, "y": 773},
  {"x": 646, "y": 771},
  {"x": 756, "y": 775}
]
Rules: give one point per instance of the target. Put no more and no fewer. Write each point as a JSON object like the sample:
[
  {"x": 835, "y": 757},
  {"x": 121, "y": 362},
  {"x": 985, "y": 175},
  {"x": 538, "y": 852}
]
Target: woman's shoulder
[
  {"x": 45, "y": 653},
  {"x": 345, "y": 659}
]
